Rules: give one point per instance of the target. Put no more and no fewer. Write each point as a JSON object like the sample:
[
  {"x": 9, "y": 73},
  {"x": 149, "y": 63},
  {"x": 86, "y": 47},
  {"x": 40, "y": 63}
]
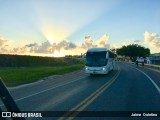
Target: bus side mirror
[{"x": 107, "y": 55}]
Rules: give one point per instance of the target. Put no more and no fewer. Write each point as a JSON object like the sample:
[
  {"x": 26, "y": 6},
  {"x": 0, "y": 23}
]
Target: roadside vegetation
[
  {"x": 16, "y": 70},
  {"x": 133, "y": 51},
  {"x": 158, "y": 63}
]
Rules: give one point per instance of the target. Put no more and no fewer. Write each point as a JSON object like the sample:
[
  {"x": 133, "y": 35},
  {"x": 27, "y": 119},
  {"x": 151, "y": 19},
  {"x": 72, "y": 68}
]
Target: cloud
[
  {"x": 71, "y": 46},
  {"x": 45, "y": 47},
  {"x": 64, "y": 46},
  {"x": 31, "y": 45},
  {"x": 48, "y": 48},
  {"x": 138, "y": 41},
  {"x": 67, "y": 47},
  {"x": 103, "y": 41},
  {"x": 19, "y": 50},
  {"x": 88, "y": 43},
  {"x": 4, "y": 45},
  {"x": 152, "y": 39}
]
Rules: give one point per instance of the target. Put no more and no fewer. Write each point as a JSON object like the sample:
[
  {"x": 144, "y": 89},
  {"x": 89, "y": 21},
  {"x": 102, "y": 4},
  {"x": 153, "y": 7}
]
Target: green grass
[{"x": 18, "y": 76}]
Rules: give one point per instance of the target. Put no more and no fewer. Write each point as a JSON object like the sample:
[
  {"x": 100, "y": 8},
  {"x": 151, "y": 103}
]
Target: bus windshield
[{"x": 96, "y": 59}]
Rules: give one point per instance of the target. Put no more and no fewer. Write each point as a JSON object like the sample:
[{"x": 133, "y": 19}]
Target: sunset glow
[
  {"x": 58, "y": 28},
  {"x": 54, "y": 35},
  {"x": 58, "y": 54}
]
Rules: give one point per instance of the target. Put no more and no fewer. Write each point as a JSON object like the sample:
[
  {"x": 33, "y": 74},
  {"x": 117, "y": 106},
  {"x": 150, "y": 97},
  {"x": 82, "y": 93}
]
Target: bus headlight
[
  {"x": 104, "y": 69},
  {"x": 86, "y": 68}
]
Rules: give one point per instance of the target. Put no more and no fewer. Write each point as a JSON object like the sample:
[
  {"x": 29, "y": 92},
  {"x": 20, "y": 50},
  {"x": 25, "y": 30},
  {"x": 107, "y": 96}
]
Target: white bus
[{"x": 99, "y": 61}]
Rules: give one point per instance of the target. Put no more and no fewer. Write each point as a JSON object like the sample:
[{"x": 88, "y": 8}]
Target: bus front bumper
[{"x": 96, "y": 71}]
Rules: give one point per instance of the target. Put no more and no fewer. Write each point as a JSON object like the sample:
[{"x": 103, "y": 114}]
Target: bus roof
[{"x": 97, "y": 49}]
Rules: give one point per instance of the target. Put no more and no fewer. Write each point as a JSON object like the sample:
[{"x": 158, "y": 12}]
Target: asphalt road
[{"x": 126, "y": 88}]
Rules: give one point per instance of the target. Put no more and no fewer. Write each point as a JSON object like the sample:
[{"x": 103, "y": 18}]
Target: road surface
[{"x": 126, "y": 88}]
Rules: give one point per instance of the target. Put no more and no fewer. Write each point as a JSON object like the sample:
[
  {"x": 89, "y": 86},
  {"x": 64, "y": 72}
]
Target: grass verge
[{"x": 18, "y": 76}]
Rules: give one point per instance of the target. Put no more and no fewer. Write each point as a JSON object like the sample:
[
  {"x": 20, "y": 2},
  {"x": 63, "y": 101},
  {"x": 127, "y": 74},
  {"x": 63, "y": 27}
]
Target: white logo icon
[{"x": 6, "y": 114}]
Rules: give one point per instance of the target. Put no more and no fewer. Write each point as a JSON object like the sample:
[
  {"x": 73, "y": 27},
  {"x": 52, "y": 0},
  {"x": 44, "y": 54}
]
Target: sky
[{"x": 70, "y": 27}]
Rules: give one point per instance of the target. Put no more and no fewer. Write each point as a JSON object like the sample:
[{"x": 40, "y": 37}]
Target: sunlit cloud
[
  {"x": 62, "y": 48},
  {"x": 88, "y": 43},
  {"x": 152, "y": 40},
  {"x": 48, "y": 48},
  {"x": 5, "y": 45},
  {"x": 65, "y": 47},
  {"x": 103, "y": 41},
  {"x": 56, "y": 49},
  {"x": 4, "y": 42}
]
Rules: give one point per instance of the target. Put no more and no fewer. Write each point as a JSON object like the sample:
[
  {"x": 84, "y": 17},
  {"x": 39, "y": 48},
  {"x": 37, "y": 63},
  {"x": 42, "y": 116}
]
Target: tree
[
  {"x": 133, "y": 51},
  {"x": 113, "y": 50}
]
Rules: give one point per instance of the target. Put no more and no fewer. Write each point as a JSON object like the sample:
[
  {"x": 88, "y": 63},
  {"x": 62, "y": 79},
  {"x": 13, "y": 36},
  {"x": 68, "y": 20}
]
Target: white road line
[
  {"x": 152, "y": 81},
  {"x": 45, "y": 90},
  {"x": 49, "y": 77},
  {"x": 155, "y": 85},
  {"x": 39, "y": 82},
  {"x": 152, "y": 69},
  {"x": 25, "y": 85}
]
